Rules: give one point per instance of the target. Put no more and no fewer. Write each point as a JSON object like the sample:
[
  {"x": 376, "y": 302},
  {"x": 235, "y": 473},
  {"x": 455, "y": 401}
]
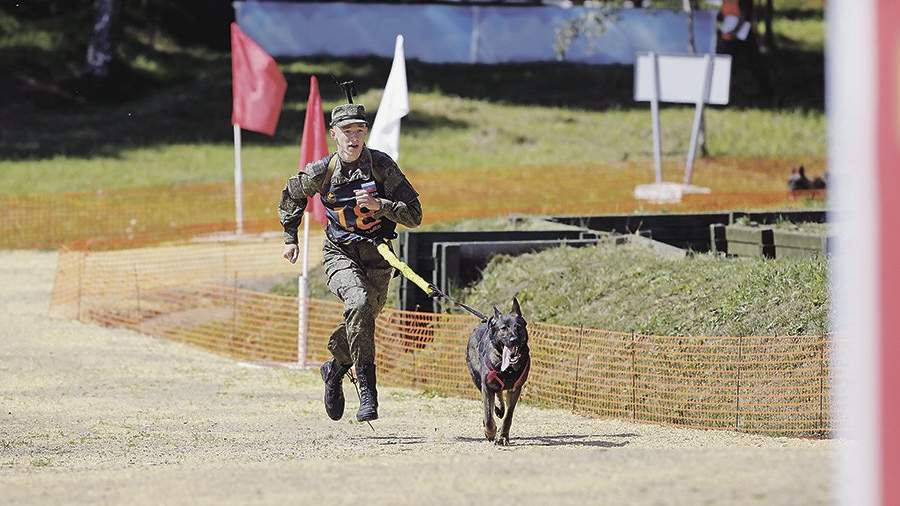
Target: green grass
[
  {"x": 41, "y": 461},
  {"x": 804, "y": 227},
  {"x": 807, "y": 33},
  {"x": 631, "y": 289},
  {"x": 164, "y": 118},
  {"x": 507, "y": 136}
]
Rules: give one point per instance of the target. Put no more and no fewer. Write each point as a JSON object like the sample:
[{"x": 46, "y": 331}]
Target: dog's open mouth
[{"x": 510, "y": 355}]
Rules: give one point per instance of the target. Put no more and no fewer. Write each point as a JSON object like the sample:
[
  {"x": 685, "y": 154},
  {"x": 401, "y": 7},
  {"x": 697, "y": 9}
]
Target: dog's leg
[
  {"x": 490, "y": 428},
  {"x": 500, "y": 408},
  {"x": 512, "y": 399}
]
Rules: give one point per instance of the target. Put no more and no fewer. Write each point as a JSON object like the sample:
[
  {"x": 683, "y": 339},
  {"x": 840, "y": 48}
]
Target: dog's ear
[
  {"x": 515, "y": 307},
  {"x": 496, "y": 313}
]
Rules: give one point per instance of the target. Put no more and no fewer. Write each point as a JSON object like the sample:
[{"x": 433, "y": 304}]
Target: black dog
[{"x": 499, "y": 360}]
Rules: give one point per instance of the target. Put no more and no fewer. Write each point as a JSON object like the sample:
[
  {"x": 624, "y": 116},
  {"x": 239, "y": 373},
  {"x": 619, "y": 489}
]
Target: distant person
[
  {"x": 738, "y": 38},
  {"x": 798, "y": 180},
  {"x": 365, "y": 196}
]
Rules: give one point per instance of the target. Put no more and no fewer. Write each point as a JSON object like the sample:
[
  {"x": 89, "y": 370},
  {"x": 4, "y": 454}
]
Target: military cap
[{"x": 347, "y": 114}]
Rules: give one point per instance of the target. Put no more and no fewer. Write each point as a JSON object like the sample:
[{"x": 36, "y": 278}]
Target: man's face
[{"x": 350, "y": 140}]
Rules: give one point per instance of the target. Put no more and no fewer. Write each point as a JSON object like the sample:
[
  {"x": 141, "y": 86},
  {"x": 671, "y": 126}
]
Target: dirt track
[{"x": 96, "y": 415}]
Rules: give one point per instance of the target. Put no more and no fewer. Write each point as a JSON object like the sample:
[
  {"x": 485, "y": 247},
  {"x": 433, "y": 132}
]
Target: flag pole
[
  {"x": 238, "y": 186},
  {"x": 303, "y": 298}
]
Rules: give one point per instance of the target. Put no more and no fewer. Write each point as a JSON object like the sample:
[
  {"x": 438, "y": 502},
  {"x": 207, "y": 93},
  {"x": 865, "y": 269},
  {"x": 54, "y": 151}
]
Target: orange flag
[
  {"x": 257, "y": 85},
  {"x": 313, "y": 144}
]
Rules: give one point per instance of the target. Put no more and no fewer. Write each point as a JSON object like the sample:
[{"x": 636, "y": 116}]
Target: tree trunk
[
  {"x": 100, "y": 48},
  {"x": 770, "y": 34}
]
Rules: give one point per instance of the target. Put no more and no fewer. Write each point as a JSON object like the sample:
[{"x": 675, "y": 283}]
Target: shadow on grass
[{"x": 600, "y": 441}]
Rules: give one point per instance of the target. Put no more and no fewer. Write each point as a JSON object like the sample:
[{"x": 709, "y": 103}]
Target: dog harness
[{"x": 499, "y": 379}]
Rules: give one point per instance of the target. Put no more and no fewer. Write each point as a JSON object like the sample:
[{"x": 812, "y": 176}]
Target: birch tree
[{"x": 100, "y": 46}]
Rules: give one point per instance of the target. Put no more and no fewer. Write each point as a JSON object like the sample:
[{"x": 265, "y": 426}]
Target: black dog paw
[{"x": 502, "y": 441}]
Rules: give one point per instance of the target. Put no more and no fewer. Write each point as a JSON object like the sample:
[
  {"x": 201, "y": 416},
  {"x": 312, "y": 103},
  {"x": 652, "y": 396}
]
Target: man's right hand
[{"x": 291, "y": 252}]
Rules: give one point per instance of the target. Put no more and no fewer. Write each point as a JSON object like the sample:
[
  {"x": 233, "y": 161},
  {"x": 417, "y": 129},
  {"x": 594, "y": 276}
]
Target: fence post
[
  {"x": 81, "y": 262},
  {"x": 737, "y": 397},
  {"x": 234, "y": 309},
  {"x": 577, "y": 367},
  {"x": 633, "y": 388},
  {"x": 822, "y": 386},
  {"x": 302, "y": 319},
  {"x": 415, "y": 366},
  {"x": 224, "y": 268},
  {"x": 137, "y": 296}
]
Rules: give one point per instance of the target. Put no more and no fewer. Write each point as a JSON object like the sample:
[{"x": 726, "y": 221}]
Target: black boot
[
  {"x": 332, "y": 374},
  {"x": 368, "y": 393}
]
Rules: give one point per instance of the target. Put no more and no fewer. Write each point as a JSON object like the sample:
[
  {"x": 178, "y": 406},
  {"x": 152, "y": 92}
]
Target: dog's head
[{"x": 510, "y": 335}]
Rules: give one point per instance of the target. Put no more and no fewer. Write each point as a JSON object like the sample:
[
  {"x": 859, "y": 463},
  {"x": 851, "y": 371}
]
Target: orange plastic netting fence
[
  {"x": 128, "y": 218},
  {"x": 200, "y": 294}
]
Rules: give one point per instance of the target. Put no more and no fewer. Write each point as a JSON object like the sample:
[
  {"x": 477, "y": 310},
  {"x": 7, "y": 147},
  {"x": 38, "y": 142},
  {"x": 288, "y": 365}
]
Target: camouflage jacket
[{"x": 400, "y": 203}]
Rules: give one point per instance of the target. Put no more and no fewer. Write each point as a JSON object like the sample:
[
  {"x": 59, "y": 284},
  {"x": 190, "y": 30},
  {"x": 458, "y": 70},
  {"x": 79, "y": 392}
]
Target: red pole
[{"x": 888, "y": 184}]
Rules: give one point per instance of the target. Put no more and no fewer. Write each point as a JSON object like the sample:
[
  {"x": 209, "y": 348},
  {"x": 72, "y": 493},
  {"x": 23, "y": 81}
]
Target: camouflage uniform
[{"x": 356, "y": 273}]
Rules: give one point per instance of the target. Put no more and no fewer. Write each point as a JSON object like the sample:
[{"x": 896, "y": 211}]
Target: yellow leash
[
  {"x": 404, "y": 269},
  {"x": 419, "y": 281}
]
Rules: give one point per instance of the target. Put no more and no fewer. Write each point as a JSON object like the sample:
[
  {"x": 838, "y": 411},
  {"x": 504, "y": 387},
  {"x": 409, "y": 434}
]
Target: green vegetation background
[{"x": 163, "y": 118}]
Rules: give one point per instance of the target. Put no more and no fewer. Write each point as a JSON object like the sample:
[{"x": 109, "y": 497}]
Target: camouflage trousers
[{"x": 359, "y": 276}]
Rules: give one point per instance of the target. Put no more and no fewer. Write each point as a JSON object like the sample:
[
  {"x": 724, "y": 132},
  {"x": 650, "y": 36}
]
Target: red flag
[
  {"x": 257, "y": 85},
  {"x": 313, "y": 145}
]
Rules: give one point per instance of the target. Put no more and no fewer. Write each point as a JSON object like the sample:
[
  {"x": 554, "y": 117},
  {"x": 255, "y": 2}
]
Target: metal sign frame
[{"x": 684, "y": 79}]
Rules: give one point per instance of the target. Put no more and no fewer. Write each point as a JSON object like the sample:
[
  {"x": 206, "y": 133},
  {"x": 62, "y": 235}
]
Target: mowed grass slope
[{"x": 632, "y": 289}]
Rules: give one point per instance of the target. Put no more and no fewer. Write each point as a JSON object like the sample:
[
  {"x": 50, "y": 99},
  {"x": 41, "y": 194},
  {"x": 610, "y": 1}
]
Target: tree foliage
[
  {"x": 589, "y": 25},
  {"x": 190, "y": 23}
]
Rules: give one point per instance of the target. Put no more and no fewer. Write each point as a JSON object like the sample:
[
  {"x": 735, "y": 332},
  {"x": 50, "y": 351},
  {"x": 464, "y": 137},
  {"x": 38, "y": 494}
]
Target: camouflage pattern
[
  {"x": 400, "y": 203},
  {"x": 347, "y": 221},
  {"x": 356, "y": 273},
  {"x": 347, "y": 114}
]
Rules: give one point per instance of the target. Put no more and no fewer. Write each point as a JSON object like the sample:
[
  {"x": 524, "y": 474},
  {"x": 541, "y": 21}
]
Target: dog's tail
[{"x": 501, "y": 409}]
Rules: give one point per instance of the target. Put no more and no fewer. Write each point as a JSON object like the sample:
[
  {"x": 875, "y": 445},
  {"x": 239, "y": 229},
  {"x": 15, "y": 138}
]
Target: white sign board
[{"x": 681, "y": 78}]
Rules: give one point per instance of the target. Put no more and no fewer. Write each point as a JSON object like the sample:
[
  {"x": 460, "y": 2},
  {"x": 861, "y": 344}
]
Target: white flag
[{"x": 385, "y": 134}]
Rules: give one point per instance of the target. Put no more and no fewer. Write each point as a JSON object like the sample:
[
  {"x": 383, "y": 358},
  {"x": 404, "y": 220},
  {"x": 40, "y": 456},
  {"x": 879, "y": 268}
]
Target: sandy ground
[{"x": 91, "y": 415}]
